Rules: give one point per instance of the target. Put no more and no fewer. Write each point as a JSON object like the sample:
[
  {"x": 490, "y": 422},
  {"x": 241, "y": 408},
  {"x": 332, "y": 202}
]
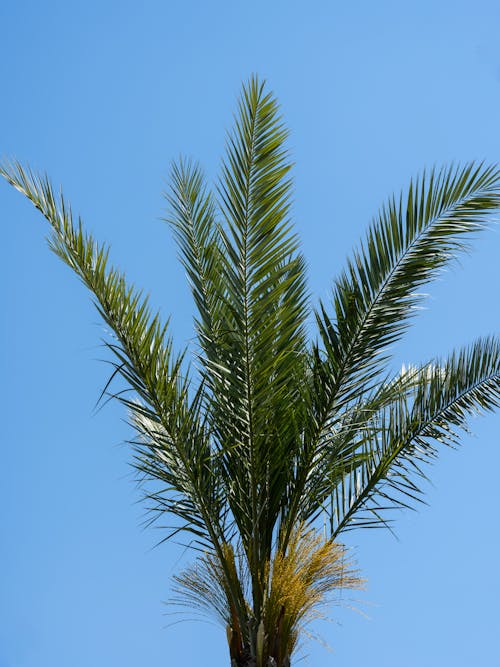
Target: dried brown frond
[{"x": 215, "y": 584}]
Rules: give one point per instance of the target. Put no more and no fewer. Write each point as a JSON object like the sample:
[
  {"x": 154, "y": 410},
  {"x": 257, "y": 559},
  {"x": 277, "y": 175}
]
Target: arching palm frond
[
  {"x": 407, "y": 432},
  {"x": 143, "y": 354},
  {"x": 411, "y": 240}
]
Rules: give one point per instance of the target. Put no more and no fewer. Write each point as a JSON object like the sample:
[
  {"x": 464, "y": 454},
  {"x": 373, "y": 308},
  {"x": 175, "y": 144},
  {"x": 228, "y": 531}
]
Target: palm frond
[
  {"x": 253, "y": 376},
  {"x": 215, "y": 584},
  {"x": 407, "y": 432},
  {"x": 321, "y": 462},
  {"x": 413, "y": 238},
  {"x": 192, "y": 216},
  {"x": 162, "y": 462},
  {"x": 143, "y": 352}
]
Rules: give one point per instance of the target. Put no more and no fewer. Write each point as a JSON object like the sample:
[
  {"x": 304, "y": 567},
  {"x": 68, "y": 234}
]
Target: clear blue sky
[{"x": 102, "y": 95}]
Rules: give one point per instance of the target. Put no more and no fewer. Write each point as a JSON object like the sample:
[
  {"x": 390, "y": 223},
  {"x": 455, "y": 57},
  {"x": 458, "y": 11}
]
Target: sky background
[{"x": 102, "y": 96}]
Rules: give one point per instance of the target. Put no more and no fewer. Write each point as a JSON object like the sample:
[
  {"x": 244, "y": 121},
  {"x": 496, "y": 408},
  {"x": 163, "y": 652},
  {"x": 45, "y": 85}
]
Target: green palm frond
[
  {"x": 193, "y": 219},
  {"x": 407, "y": 432},
  {"x": 413, "y": 238},
  {"x": 143, "y": 353},
  {"x": 323, "y": 462},
  {"x": 248, "y": 281},
  {"x": 162, "y": 462}
]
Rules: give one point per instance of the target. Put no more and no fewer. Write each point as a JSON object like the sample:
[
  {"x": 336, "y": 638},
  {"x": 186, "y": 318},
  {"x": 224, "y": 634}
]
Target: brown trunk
[
  {"x": 251, "y": 662},
  {"x": 242, "y": 654}
]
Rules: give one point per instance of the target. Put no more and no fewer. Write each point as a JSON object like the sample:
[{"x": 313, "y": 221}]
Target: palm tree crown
[{"x": 272, "y": 431}]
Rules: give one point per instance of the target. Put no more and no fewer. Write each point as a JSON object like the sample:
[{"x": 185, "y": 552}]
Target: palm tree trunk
[{"x": 251, "y": 662}]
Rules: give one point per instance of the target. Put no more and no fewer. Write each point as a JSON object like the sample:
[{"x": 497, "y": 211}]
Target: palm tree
[{"x": 272, "y": 430}]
